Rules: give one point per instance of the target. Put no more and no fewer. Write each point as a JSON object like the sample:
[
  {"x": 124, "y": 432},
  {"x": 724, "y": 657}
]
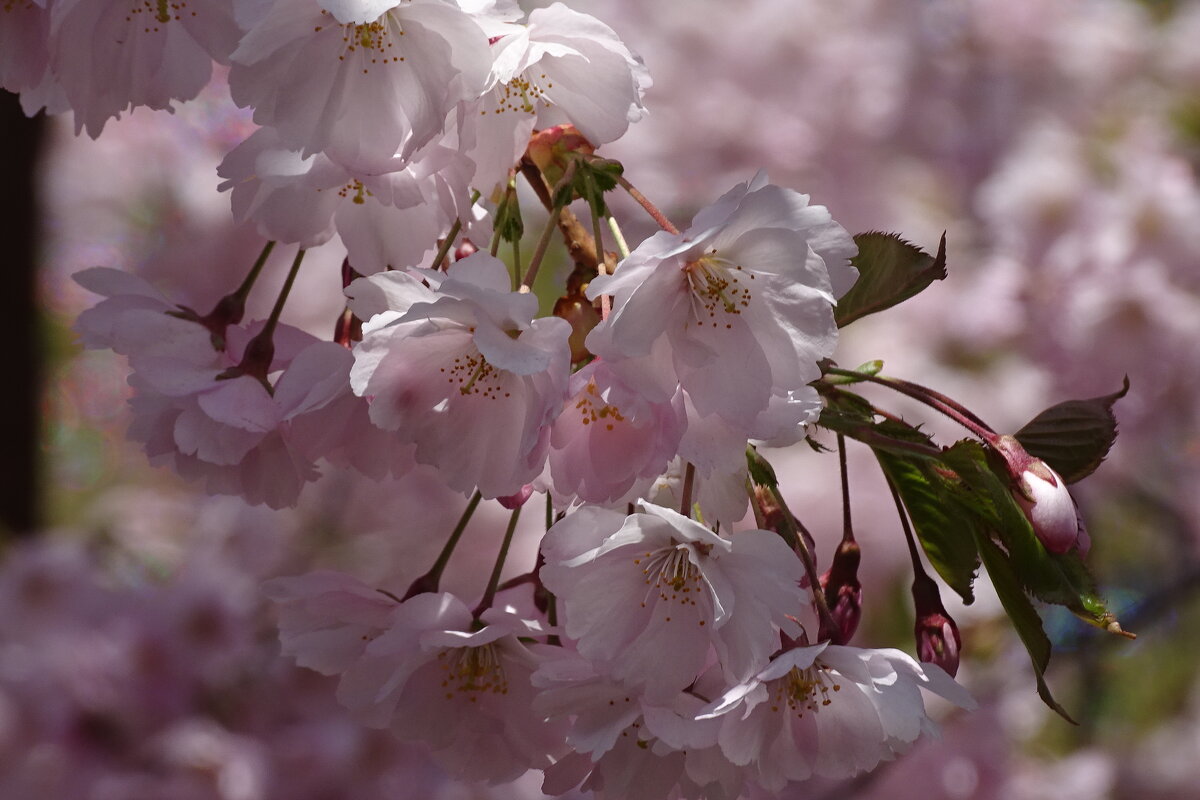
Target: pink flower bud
[
  {"x": 1047, "y": 503},
  {"x": 514, "y": 501},
  {"x": 843, "y": 593},
  {"x": 938, "y": 640}
]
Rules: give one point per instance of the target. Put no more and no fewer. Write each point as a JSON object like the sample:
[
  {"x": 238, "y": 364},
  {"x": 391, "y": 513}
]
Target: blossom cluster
[{"x": 664, "y": 653}]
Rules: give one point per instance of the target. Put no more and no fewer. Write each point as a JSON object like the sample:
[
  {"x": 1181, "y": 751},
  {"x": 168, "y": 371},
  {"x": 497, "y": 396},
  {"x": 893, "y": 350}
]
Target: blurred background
[{"x": 1056, "y": 142}]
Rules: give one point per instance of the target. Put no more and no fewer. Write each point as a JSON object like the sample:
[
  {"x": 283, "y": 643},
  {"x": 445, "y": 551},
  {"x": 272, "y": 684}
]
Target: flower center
[
  {"x": 475, "y": 376},
  {"x": 719, "y": 292},
  {"x": 150, "y": 14},
  {"x": 671, "y": 575},
  {"x": 471, "y": 671},
  {"x": 803, "y": 690},
  {"x": 522, "y": 94},
  {"x": 593, "y": 408},
  {"x": 373, "y": 42}
]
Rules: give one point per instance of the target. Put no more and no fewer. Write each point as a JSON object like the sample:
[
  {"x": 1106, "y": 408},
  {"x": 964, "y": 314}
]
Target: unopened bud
[
  {"x": 1043, "y": 495},
  {"x": 551, "y": 150},
  {"x": 464, "y": 249},
  {"x": 514, "y": 501},
  {"x": 579, "y": 311},
  {"x": 843, "y": 593},
  {"x": 938, "y": 640}
]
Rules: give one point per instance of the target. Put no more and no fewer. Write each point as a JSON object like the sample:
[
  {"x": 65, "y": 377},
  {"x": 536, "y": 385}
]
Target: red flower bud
[
  {"x": 1042, "y": 494},
  {"x": 843, "y": 593},
  {"x": 514, "y": 501},
  {"x": 938, "y": 640}
]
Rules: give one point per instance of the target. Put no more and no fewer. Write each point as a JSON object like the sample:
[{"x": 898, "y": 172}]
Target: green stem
[
  {"x": 847, "y": 527},
  {"x": 430, "y": 580},
  {"x": 448, "y": 242},
  {"x": 243, "y": 291},
  {"x": 601, "y": 264},
  {"x": 489, "y": 594},
  {"x": 622, "y": 246},
  {"x": 551, "y": 225}
]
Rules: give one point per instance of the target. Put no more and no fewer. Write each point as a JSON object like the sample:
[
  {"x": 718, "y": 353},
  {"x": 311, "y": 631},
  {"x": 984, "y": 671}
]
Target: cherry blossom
[
  {"x": 737, "y": 309},
  {"x": 388, "y": 214},
  {"x": 111, "y": 55},
  {"x": 432, "y": 677},
  {"x": 609, "y": 438},
  {"x": 359, "y": 78},
  {"x": 655, "y": 582},
  {"x": 562, "y": 67},
  {"x": 464, "y": 371},
  {"x": 830, "y": 711}
]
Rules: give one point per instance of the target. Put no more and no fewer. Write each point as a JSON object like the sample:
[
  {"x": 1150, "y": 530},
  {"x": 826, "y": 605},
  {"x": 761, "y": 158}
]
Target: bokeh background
[{"x": 1056, "y": 142}]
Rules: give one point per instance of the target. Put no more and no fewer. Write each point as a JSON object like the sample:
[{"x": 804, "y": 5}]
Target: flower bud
[
  {"x": 514, "y": 501},
  {"x": 1043, "y": 495},
  {"x": 843, "y": 593},
  {"x": 938, "y": 640},
  {"x": 464, "y": 249},
  {"x": 551, "y": 150},
  {"x": 1048, "y": 505}
]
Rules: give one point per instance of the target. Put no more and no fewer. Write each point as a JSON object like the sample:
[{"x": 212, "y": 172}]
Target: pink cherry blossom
[
  {"x": 608, "y": 437},
  {"x": 112, "y": 55},
  {"x": 359, "y": 78},
  {"x": 463, "y": 371},
  {"x": 738, "y": 309},
  {"x": 829, "y": 711},
  {"x": 388, "y": 214},
  {"x": 634, "y": 588},
  {"x": 432, "y": 677},
  {"x": 562, "y": 67}
]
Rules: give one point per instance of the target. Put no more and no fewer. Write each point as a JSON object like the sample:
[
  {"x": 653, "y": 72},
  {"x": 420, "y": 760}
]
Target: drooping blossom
[
  {"x": 561, "y": 67},
  {"x": 422, "y": 669},
  {"x": 609, "y": 438},
  {"x": 113, "y": 55},
  {"x": 649, "y": 595},
  {"x": 362, "y": 79},
  {"x": 828, "y": 711},
  {"x": 464, "y": 371},
  {"x": 626, "y": 746},
  {"x": 193, "y": 412},
  {"x": 738, "y": 309},
  {"x": 388, "y": 213}
]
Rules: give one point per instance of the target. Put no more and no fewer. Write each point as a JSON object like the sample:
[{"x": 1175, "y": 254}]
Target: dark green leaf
[
  {"x": 1023, "y": 615},
  {"x": 890, "y": 270},
  {"x": 941, "y": 514},
  {"x": 1075, "y": 436}
]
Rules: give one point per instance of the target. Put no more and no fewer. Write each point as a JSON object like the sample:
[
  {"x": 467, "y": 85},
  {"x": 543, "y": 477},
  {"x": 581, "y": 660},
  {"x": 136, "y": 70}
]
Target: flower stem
[
  {"x": 489, "y": 594},
  {"x": 645, "y": 203},
  {"x": 934, "y": 399},
  {"x": 689, "y": 480},
  {"x": 551, "y": 224},
  {"x": 260, "y": 351},
  {"x": 430, "y": 580},
  {"x": 601, "y": 264},
  {"x": 448, "y": 242},
  {"x": 913, "y": 552},
  {"x": 243, "y": 291},
  {"x": 847, "y": 527},
  {"x": 622, "y": 246}
]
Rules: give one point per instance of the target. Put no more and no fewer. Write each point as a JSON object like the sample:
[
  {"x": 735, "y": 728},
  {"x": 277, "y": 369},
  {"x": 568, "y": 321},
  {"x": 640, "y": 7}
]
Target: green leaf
[
  {"x": 941, "y": 515},
  {"x": 1075, "y": 436},
  {"x": 1024, "y": 617},
  {"x": 890, "y": 270}
]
